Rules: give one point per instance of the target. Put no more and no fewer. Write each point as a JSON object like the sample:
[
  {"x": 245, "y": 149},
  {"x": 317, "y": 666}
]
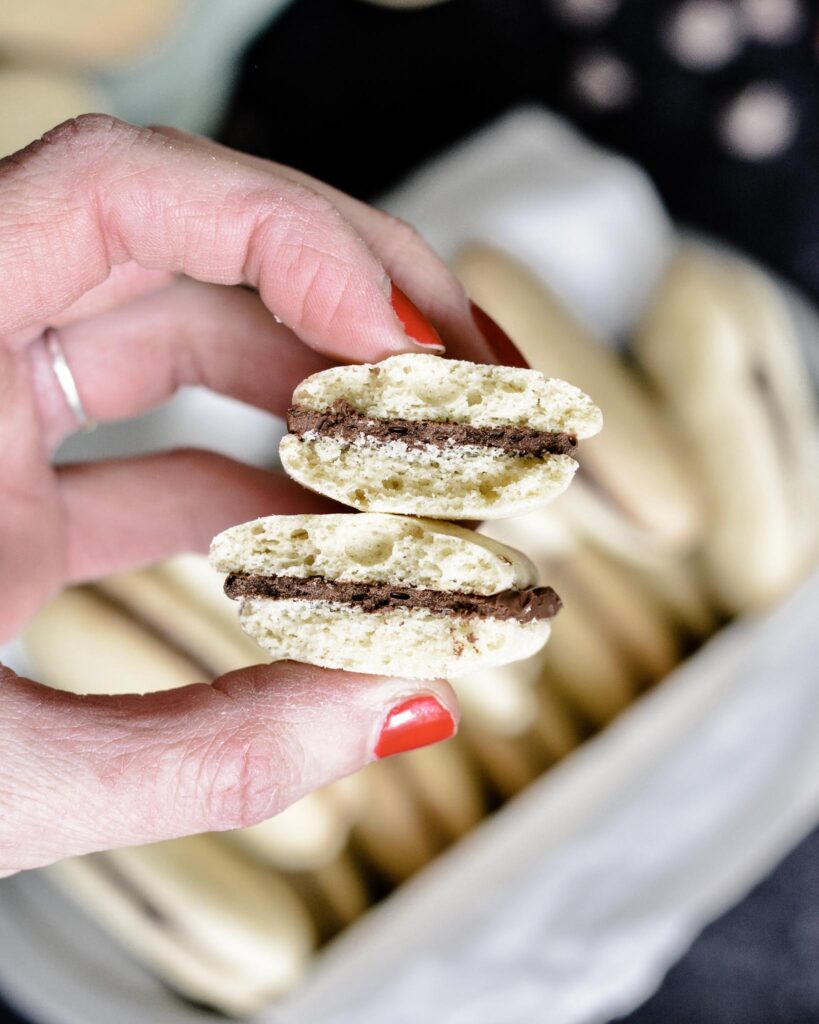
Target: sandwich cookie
[
  {"x": 446, "y": 783},
  {"x": 678, "y": 587},
  {"x": 142, "y": 633},
  {"x": 590, "y": 666},
  {"x": 82, "y": 642},
  {"x": 218, "y": 928},
  {"x": 336, "y": 894},
  {"x": 721, "y": 347},
  {"x": 306, "y": 836},
  {"x": 509, "y": 763},
  {"x": 395, "y": 835},
  {"x": 421, "y": 435},
  {"x": 383, "y": 594},
  {"x": 635, "y": 492}
]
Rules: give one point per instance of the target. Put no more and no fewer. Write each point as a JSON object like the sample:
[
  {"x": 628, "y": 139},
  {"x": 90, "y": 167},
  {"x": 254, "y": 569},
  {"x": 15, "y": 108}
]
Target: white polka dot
[
  {"x": 771, "y": 21},
  {"x": 760, "y": 123},
  {"x": 602, "y": 80},
  {"x": 704, "y": 34},
  {"x": 587, "y": 13}
]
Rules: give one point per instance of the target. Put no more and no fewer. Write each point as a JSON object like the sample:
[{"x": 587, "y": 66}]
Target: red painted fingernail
[
  {"x": 415, "y": 324},
  {"x": 417, "y": 722},
  {"x": 505, "y": 350}
]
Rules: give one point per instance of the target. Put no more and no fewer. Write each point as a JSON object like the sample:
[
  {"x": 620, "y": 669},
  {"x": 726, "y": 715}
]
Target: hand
[{"x": 130, "y": 242}]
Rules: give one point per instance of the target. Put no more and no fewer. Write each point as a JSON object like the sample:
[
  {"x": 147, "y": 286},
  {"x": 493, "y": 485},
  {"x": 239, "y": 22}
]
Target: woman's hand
[{"x": 125, "y": 241}]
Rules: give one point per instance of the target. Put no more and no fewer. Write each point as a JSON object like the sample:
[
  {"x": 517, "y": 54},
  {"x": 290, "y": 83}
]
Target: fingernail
[
  {"x": 416, "y": 326},
  {"x": 417, "y": 722},
  {"x": 505, "y": 350}
]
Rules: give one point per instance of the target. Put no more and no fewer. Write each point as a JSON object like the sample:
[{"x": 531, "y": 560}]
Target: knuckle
[
  {"x": 239, "y": 782},
  {"x": 75, "y": 142},
  {"x": 89, "y": 132},
  {"x": 312, "y": 204}
]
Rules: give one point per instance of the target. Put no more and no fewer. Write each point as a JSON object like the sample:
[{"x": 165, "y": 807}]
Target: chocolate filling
[
  {"x": 346, "y": 423},
  {"x": 523, "y": 605}
]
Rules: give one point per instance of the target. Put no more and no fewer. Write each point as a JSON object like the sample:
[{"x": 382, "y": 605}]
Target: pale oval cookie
[
  {"x": 217, "y": 927},
  {"x": 720, "y": 345},
  {"x": 421, "y": 435},
  {"x": 383, "y": 594},
  {"x": 634, "y": 492}
]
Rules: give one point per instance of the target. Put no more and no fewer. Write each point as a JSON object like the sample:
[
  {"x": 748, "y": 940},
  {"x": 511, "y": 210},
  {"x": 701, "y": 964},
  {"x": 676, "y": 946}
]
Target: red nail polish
[
  {"x": 417, "y": 722},
  {"x": 504, "y": 349},
  {"x": 415, "y": 323}
]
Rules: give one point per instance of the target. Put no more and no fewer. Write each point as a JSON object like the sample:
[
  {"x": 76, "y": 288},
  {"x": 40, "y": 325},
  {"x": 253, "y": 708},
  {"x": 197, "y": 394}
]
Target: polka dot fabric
[
  {"x": 717, "y": 99},
  {"x": 722, "y": 113}
]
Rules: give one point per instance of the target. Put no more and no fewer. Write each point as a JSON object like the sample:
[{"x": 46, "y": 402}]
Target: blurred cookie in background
[{"x": 720, "y": 345}]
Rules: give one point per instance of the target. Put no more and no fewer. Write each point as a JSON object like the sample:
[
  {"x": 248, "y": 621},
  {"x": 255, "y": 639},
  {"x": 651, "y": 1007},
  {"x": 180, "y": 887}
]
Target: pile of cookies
[
  {"x": 385, "y": 591},
  {"x": 696, "y": 503}
]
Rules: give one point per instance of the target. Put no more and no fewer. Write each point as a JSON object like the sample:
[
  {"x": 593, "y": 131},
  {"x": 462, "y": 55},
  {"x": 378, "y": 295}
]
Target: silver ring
[{"x": 65, "y": 378}]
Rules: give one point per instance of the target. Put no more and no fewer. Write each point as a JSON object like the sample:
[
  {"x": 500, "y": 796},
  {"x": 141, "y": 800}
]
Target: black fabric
[
  {"x": 759, "y": 964},
  {"x": 357, "y": 95}
]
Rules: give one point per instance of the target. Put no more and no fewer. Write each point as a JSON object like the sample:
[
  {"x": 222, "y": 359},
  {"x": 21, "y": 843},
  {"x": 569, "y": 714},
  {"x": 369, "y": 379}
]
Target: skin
[{"x": 132, "y": 242}]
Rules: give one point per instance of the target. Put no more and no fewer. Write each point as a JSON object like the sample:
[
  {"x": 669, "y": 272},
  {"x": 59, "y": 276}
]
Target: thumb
[{"x": 83, "y": 773}]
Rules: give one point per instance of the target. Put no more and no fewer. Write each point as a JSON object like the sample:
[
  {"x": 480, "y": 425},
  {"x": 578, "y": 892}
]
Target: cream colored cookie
[
  {"x": 212, "y": 924},
  {"x": 555, "y": 727},
  {"x": 382, "y": 594},
  {"x": 720, "y": 346},
  {"x": 394, "y": 833},
  {"x": 342, "y": 887},
  {"x": 444, "y": 779},
  {"x": 170, "y": 611},
  {"x": 678, "y": 587},
  {"x": 84, "y": 643},
  {"x": 95, "y": 32},
  {"x": 634, "y": 492},
  {"x": 510, "y": 763},
  {"x": 305, "y": 836},
  {"x": 590, "y": 665},
  {"x": 638, "y": 624},
  {"x": 421, "y": 435},
  {"x": 501, "y": 699},
  {"x": 310, "y": 833},
  {"x": 34, "y": 99}
]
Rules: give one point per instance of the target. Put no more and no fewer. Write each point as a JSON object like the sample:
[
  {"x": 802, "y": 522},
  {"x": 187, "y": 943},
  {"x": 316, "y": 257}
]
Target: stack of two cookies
[{"x": 386, "y": 591}]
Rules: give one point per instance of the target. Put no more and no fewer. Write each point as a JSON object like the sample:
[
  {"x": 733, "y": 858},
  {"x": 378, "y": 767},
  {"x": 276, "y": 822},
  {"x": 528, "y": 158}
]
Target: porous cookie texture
[
  {"x": 372, "y": 547},
  {"x": 417, "y": 642},
  {"x": 462, "y": 482},
  {"x": 414, "y": 644},
  {"x": 425, "y": 387},
  {"x": 425, "y": 476}
]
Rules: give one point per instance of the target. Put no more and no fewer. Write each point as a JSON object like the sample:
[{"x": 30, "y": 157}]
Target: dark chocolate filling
[
  {"x": 524, "y": 605},
  {"x": 346, "y": 423}
]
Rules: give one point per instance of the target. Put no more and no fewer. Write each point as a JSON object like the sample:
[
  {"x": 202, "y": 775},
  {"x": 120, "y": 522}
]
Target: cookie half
[
  {"x": 635, "y": 494},
  {"x": 422, "y": 435},
  {"x": 383, "y": 594}
]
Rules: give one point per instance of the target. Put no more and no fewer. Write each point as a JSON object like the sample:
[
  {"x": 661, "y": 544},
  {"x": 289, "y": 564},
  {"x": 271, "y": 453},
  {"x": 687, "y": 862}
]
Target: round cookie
[
  {"x": 394, "y": 834},
  {"x": 217, "y": 927},
  {"x": 421, "y": 435},
  {"x": 634, "y": 492},
  {"x": 84, "y": 643},
  {"x": 720, "y": 346},
  {"x": 444, "y": 779},
  {"x": 383, "y": 594}
]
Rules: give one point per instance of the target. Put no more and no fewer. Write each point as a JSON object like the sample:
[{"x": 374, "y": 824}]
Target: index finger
[{"x": 96, "y": 192}]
